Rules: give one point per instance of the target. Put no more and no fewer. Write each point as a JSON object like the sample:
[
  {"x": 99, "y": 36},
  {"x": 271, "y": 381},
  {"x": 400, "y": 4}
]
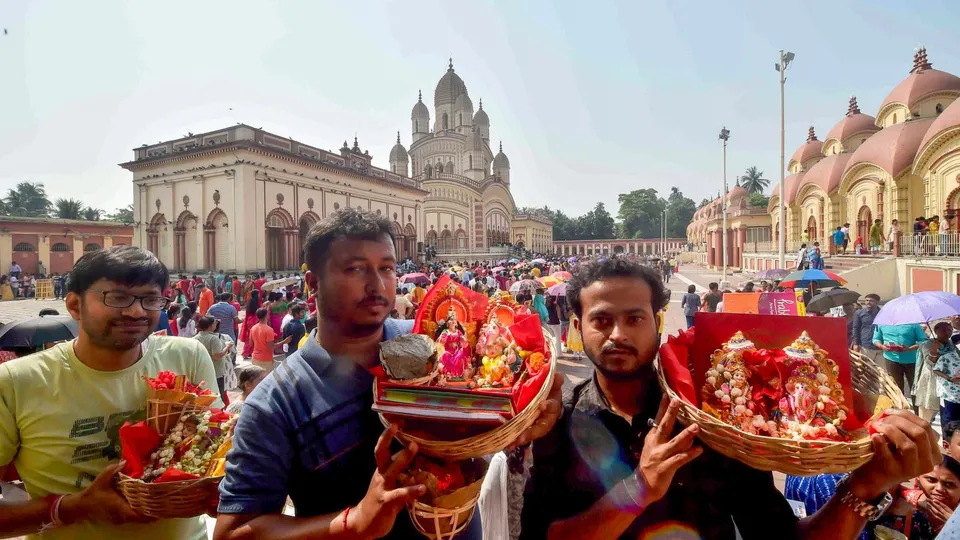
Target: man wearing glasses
[{"x": 61, "y": 409}]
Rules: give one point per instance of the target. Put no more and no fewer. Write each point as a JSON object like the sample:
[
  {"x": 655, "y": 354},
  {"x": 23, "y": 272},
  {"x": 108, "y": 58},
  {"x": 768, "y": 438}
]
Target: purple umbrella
[
  {"x": 414, "y": 278},
  {"x": 775, "y": 274},
  {"x": 572, "y": 260},
  {"x": 560, "y": 289},
  {"x": 919, "y": 308}
]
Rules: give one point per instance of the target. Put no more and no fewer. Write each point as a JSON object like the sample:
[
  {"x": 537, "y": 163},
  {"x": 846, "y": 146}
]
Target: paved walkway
[{"x": 13, "y": 310}]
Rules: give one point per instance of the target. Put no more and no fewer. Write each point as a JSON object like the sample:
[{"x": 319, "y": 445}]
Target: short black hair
[
  {"x": 297, "y": 308},
  {"x": 127, "y": 265},
  {"x": 948, "y": 430},
  {"x": 875, "y": 296},
  {"x": 713, "y": 285},
  {"x": 590, "y": 273},
  {"x": 692, "y": 289},
  {"x": 346, "y": 223},
  {"x": 225, "y": 297},
  {"x": 261, "y": 313},
  {"x": 206, "y": 322}
]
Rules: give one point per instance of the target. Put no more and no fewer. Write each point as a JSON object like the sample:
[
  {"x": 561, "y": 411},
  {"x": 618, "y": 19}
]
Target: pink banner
[{"x": 782, "y": 303}]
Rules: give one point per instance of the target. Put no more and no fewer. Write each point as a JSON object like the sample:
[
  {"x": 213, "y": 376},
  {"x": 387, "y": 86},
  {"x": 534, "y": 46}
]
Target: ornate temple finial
[
  {"x": 501, "y": 146},
  {"x": 356, "y": 145},
  {"x": 450, "y": 66},
  {"x": 811, "y": 136},
  {"x": 738, "y": 181},
  {"x": 420, "y": 96},
  {"x": 853, "y": 108},
  {"x": 481, "y": 104},
  {"x": 398, "y": 137},
  {"x": 920, "y": 61}
]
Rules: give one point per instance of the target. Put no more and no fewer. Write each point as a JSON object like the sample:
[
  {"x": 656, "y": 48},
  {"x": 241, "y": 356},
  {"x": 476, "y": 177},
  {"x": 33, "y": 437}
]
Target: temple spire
[
  {"x": 920, "y": 61},
  {"x": 398, "y": 137},
  {"x": 450, "y": 66},
  {"x": 853, "y": 108},
  {"x": 501, "y": 147},
  {"x": 420, "y": 96},
  {"x": 481, "y": 104},
  {"x": 811, "y": 136}
]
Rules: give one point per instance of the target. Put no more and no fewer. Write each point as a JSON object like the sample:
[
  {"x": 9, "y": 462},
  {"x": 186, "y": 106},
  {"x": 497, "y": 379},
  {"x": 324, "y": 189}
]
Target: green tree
[
  {"x": 641, "y": 212},
  {"x": 759, "y": 199},
  {"x": 92, "y": 214},
  {"x": 68, "y": 208},
  {"x": 28, "y": 199},
  {"x": 753, "y": 180},
  {"x": 704, "y": 202},
  {"x": 596, "y": 224},
  {"x": 122, "y": 215},
  {"x": 680, "y": 211}
]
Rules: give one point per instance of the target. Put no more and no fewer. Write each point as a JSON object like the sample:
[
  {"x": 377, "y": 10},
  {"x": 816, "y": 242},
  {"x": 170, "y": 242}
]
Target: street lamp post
[
  {"x": 781, "y": 67},
  {"x": 724, "y": 136}
]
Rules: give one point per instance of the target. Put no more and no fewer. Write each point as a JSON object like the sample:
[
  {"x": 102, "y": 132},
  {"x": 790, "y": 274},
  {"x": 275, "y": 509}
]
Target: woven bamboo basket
[
  {"x": 799, "y": 458},
  {"x": 166, "y": 500},
  {"x": 498, "y": 438},
  {"x": 442, "y": 523}
]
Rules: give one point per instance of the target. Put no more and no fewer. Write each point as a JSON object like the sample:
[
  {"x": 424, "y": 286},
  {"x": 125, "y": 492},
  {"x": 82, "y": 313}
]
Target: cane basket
[
  {"x": 496, "y": 439},
  {"x": 182, "y": 499},
  {"x": 799, "y": 458},
  {"x": 442, "y": 523}
]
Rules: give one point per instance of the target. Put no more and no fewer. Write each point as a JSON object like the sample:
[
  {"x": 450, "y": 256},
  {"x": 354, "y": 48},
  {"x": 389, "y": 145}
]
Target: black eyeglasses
[{"x": 117, "y": 299}]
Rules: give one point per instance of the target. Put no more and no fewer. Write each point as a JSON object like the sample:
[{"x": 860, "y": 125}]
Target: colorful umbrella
[
  {"x": 827, "y": 300},
  {"x": 560, "y": 289},
  {"x": 562, "y": 275},
  {"x": 456, "y": 268},
  {"x": 414, "y": 278},
  {"x": 572, "y": 260},
  {"x": 919, "y": 307},
  {"x": 504, "y": 261},
  {"x": 38, "y": 331},
  {"x": 525, "y": 284},
  {"x": 803, "y": 279},
  {"x": 278, "y": 283},
  {"x": 775, "y": 274},
  {"x": 497, "y": 269},
  {"x": 549, "y": 281},
  {"x": 539, "y": 261},
  {"x": 514, "y": 260}
]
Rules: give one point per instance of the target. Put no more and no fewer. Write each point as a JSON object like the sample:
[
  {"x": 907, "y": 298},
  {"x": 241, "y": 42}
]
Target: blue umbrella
[
  {"x": 919, "y": 308},
  {"x": 803, "y": 279}
]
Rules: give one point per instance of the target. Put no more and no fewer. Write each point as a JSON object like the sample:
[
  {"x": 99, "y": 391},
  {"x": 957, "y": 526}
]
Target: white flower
[
  {"x": 725, "y": 399},
  {"x": 735, "y": 392},
  {"x": 739, "y": 409},
  {"x": 711, "y": 380},
  {"x": 719, "y": 394},
  {"x": 727, "y": 375},
  {"x": 712, "y": 373},
  {"x": 741, "y": 400},
  {"x": 825, "y": 390},
  {"x": 821, "y": 378}
]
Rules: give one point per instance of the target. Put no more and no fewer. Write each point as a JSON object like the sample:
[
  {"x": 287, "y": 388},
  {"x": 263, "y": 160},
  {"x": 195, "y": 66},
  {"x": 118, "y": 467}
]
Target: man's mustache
[
  {"x": 374, "y": 300},
  {"x": 609, "y": 346}
]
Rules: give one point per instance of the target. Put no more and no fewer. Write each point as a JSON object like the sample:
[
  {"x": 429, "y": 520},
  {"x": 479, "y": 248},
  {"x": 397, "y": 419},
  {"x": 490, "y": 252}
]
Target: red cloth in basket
[{"x": 137, "y": 442}]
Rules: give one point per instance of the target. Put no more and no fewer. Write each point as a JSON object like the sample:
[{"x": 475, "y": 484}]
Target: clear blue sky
[{"x": 591, "y": 99}]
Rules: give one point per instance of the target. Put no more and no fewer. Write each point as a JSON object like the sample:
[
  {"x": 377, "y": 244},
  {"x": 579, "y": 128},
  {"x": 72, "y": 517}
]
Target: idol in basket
[
  {"x": 311, "y": 409},
  {"x": 455, "y": 360},
  {"x": 620, "y": 463}
]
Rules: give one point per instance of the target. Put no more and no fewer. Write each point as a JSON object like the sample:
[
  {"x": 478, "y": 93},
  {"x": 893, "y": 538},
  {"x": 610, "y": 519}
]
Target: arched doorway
[
  {"x": 410, "y": 237},
  {"x": 61, "y": 257},
  {"x": 461, "y": 239},
  {"x": 864, "y": 219},
  {"x": 618, "y": 249},
  {"x": 446, "y": 241},
  {"x": 280, "y": 236},
  {"x": 432, "y": 239},
  {"x": 307, "y": 221},
  {"x": 812, "y": 229},
  {"x": 157, "y": 241},
  {"x": 185, "y": 242},
  {"x": 400, "y": 242}
]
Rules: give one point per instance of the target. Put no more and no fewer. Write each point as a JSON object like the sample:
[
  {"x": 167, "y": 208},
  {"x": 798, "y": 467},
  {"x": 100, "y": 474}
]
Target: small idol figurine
[{"x": 455, "y": 359}]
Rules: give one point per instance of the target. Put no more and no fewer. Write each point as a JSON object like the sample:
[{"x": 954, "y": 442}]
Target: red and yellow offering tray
[
  {"x": 494, "y": 364},
  {"x": 785, "y": 395}
]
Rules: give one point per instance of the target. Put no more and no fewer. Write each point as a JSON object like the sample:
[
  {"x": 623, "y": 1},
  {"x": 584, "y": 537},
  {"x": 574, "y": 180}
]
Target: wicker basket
[
  {"x": 442, "y": 523},
  {"x": 183, "y": 499},
  {"x": 799, "y": 458},
  {"x": 498, "y": 438}
]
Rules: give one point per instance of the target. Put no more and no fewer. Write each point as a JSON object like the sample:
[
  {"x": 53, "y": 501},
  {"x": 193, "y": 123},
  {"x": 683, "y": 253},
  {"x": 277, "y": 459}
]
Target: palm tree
[
  {"x": 753, "y": 180},
  {"x": 68, "y": 208},
  {"x": 28, "y": 199},
  {"x": 92, "y": 214}
]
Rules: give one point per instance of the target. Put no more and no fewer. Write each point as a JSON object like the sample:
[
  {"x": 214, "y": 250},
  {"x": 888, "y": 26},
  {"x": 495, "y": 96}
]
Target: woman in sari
[
  {"x": 574, "y": 341},
  {"x": 249, "y": 320},
  {"x": 278, "y": 308}
]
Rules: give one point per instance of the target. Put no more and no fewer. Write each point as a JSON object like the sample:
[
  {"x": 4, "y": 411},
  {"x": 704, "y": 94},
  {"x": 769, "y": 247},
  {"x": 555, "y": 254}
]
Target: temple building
[{"x": 243, "y": 199}]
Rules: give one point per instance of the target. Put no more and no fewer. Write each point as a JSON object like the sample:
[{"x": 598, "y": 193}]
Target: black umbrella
[
  {"x": 835, "y": 297},
  {"x": 38, "y": 331}
]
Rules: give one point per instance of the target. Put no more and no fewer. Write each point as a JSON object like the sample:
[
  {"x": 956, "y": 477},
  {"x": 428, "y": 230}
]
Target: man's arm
[
  {"x": 855, "y": 335},
  {"x": 878, "y": 338}
]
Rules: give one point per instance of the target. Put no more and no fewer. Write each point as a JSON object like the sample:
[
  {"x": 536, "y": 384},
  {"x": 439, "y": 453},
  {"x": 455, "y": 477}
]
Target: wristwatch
[{"x": 871, "y": 511}]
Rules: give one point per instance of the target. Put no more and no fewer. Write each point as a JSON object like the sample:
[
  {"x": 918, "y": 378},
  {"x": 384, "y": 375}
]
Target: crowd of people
[{"x": 609, "y": 459}]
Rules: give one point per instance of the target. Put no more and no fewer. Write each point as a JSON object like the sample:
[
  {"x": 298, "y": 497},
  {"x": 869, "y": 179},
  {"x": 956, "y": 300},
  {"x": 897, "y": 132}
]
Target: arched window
[
  {"x": 439, "y": 168},
  {"x": 427, "y": 171},
  {"x": 445, "y": 122},
  {"x": 894, "y": 118},
  {"x": 459, "y": 119},
  {"x": 470, "y": 161},
  {"x": 449, "y": 167},
  {"x": 939, "y": 108},
  {"x": 24, "y": 246},
  {"x": 416, "y": 126},
  {"x": 60, "y": 247},
  {"x": 91, "y": 247}
]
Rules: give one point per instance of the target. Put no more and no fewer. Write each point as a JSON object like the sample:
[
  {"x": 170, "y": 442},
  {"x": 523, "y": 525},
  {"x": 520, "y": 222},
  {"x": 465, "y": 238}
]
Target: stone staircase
[{"x": 841, "y": 263}]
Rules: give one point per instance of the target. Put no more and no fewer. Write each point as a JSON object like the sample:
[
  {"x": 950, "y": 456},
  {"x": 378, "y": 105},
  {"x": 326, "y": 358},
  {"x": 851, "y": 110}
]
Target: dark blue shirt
[
  {"x": 307, "y": 431},
  {"x": 862, "y": 332},
  {"x": 163, "y": 323},
  {"x": 295, "y": 331}
]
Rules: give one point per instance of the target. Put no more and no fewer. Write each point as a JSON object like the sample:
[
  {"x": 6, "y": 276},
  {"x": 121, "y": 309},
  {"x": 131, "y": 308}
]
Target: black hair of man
[
  {"x": 310, "y": 325},
  {"x": 948, "y": 430},
  {"x": 225, "y": 297},
  {"x": 942, "y": 324},
  {"x": 951, "y": 465},
  {"x": 48, "y": 311},
  {"x": 126, "y": 265},
  {"x": 297, "y": 311},
  {"x": 692, "y": 289},
  {"x": 261, "y": 313},
  {"x": 346, "y": 223},
  {"x": 713, "y": 286},
  {"x": 875, "y": 296},
  {"x": 593, "y": 272},
  {"x": 205, "y": 323}
]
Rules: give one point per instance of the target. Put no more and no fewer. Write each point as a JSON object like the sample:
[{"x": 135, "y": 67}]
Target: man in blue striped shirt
[{"x": 307, "y": 431}]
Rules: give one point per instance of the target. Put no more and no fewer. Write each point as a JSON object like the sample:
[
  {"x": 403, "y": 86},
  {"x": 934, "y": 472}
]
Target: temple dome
[
  {"x": 892, "y": 148},
  {"x": 826, "y": 174},
  {"x": 851, "y": 124},
  {"x": 449, "y": 88},
  {"x": 811, "y": 148},
  {"x": 922, "y": 82}
]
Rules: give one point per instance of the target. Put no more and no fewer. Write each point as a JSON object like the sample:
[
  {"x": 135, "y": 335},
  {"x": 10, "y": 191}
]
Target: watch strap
[{"x": 870, "y": 511}]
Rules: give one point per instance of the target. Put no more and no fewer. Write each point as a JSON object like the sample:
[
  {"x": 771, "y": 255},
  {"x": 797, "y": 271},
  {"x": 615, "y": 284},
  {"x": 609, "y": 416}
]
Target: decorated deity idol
[
  {"x": 498, "y": 354},
  {"x": 455, "y": 360},
  {"x": 812, "y": 406}
]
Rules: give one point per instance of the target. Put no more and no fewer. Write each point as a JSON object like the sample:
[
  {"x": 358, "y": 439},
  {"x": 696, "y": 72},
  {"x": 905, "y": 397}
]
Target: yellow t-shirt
[
  {"x": 59, "y": 422},
  {"x": 662, "y": 315},
  {"x": 535, "y": 272}
]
